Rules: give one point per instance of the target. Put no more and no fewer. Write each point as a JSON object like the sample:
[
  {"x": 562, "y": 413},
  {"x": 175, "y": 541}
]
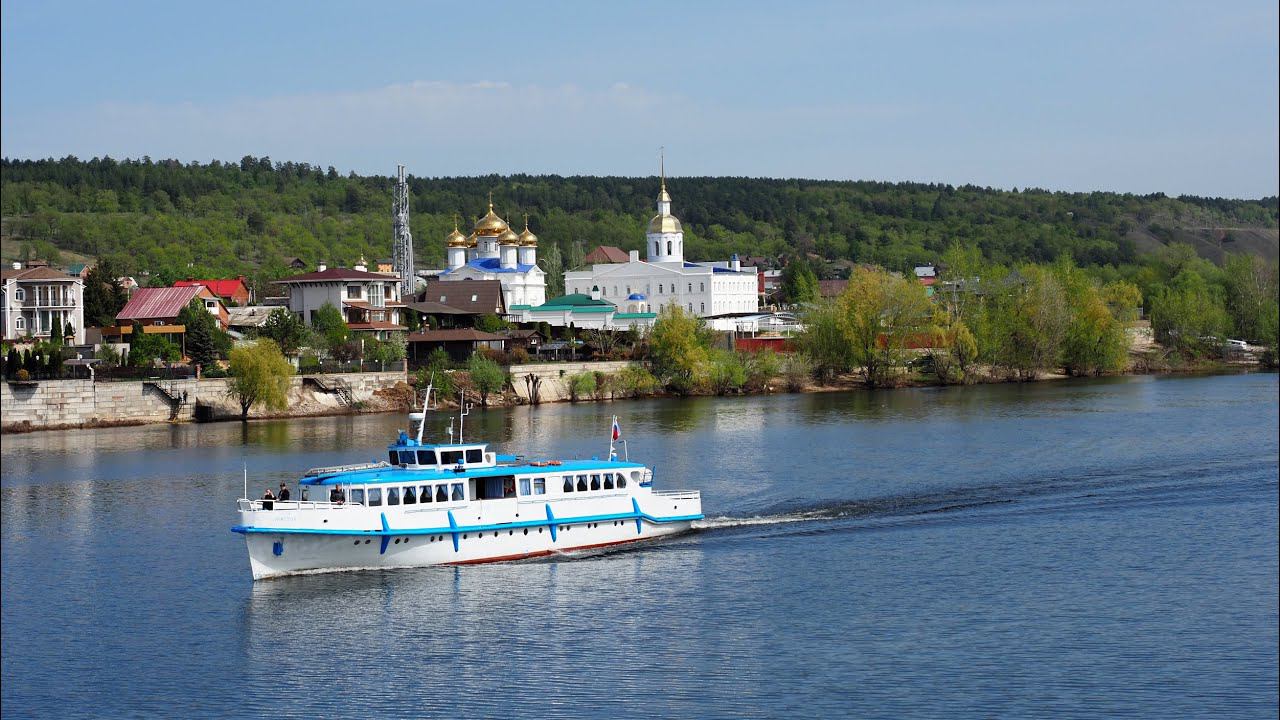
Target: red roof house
[
  {"x": 605, "y": 254},
  {"x": 234, "y": 290},
  {"x": 157, "y": 309}
]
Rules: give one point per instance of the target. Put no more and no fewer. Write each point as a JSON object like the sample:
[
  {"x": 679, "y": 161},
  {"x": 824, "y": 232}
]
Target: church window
[
  {"x": 690, "y": 287},
  {"x": 702, "y": 287},
  {"x": 702, "y": 307},
  {"x": 659, "y": 288},
  {"x": 655, "y": 247},
  {"x": 668, "y": 247}
]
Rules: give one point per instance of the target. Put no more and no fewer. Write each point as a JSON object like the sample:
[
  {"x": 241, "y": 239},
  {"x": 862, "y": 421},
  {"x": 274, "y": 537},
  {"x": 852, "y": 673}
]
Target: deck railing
[{"x": 244, "y": 505}]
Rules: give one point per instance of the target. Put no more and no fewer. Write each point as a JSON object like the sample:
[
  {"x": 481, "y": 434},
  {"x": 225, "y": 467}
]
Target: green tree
[
  {"x": 331, "y": 326},
  {"x": 286, "y": 329},
  {"x": 103, "y": 296},
  {"x": 727, "y": 372},
  {"x": 1028, "y": 315},
  {"x": 390, "y": 350},
  {"x": 201, "y": 336},
  {"x": 1188, "y": 317},
  {"x": 486, "y": 376},
  {"x": 678, "y": 349},
  {"x": 1251, "y": 298},
  {"x": 491, "y": 323},
  {"x": 799, "y": 282},
  {"x": 259, "y": 376},
  {"x": 881, "y": 315},
  {"x": 145, "y": 348},
  {"x": 824, "y": 342}
]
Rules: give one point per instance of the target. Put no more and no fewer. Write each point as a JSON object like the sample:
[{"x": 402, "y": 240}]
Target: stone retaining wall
[
  {"x": 66, "y": 403},
  {"x": 555, "y": 377}
]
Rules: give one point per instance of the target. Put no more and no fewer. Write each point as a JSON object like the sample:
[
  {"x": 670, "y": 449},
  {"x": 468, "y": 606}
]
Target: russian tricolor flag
[{"x": 617, "y": 430}]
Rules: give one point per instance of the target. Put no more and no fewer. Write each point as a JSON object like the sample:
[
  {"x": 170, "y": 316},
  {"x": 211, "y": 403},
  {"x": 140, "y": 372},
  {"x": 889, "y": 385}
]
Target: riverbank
[{"x": 84, "y": 403}]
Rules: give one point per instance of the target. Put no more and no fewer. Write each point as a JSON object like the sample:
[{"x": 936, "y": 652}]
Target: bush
[
  {"x": 486, "y": 376},
  {"x": 518, "y": 356},
  {"x": 728, "y": 374},
  {"x": 22, "y": 375},
  {"x": 762, "y": 367},
  {"x": 308, "y": 363},
  {"x": 635, "y": 381},
  {"x": 796, "y": 371},
  {"x": 582, "y": 386}
]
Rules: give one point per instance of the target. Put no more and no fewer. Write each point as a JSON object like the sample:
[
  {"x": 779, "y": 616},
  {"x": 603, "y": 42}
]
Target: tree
[
  {"x": 1187, "y": 317},
  {"x": 491, "y": 323},
  {"x": 386, "y": 351},
  {"x": 799, "y": 282},
  {"x": 678, "y": 349},
  {"x": 286, "y": 329},
  {"x": 330, "y": 324},
  {"x": 259, "y": 376},
  {"x": 486, "y": 375},
  {"x": 103, "y": 296},
  {"x": 146, "y": 348},
  {"x": 1251, "y": 298},
  {"x": 823, "y": 341},
  {"x": 200, "y": 336},
  {"x": 1027, "y": 316},
  {"x": 881, "y": 315}
]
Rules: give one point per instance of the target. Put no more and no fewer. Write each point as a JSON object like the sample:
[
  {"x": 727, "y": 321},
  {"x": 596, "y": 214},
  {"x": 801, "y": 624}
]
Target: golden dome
[
  {"x": 527, "y": 238},
  {"x": 664, "y": 224},
  {"x": 508, "y": 237},
  {"x": 490, "y": 225},
  {"x": 456, "y": 239},
  {"x": 471, "y": 240}
]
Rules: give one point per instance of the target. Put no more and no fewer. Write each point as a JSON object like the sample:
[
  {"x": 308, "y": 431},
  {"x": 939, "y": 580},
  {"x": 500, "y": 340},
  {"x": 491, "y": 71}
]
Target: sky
[{"x": 1139, "y": 97}]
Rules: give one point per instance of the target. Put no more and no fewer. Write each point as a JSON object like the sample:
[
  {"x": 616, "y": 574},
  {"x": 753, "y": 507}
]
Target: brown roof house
[
  {"x": 460, "y": 343},
  {"x": 369, "y": 301},
  {"x": 606, "y": 254}
]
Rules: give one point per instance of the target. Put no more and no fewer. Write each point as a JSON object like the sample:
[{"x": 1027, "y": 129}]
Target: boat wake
[{"x": 1090, "y": 488}]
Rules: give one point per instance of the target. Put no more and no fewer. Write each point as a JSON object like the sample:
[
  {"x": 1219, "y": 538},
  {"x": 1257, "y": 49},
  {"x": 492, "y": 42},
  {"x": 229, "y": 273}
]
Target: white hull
[
  {"x": 304, "y": 554},
  {"x": 295, "y": 538}
]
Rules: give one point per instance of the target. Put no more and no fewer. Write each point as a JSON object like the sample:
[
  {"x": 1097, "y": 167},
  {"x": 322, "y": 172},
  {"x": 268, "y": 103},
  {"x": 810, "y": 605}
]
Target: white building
[
  {"x": 705, "y": 289},
  {"x": 493, "y": 251},
  {"x": 36, "y": 301},
  {"x": 370, "y": 302}
]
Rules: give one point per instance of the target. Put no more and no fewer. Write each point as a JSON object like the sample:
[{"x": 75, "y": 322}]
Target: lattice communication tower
[{"x": 402, "y": 250}]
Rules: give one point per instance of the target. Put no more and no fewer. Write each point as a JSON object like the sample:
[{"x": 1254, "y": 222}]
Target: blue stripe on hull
[{"x": 453, "y": 528}]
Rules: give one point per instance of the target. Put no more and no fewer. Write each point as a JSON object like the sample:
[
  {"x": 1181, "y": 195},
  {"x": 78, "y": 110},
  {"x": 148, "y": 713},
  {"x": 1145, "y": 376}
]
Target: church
[
  {"x": 664, "y": 278},
  {"x": 493, "y": 251}
]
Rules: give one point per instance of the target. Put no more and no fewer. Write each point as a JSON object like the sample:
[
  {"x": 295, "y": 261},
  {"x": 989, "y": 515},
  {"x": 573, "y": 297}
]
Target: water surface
[{"x": 1091, "y": 548}]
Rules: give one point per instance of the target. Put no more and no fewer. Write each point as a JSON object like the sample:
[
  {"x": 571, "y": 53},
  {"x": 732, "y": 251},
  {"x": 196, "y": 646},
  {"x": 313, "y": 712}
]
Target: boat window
[
  {"x": 595, "y": 482},
  {"x": 568, "y": 483},
  {"x": 410, "y": 498},
  {"x": 357, "y": 495},
  {"x": 635, "y": 475},
  {"x": 457, "y": 492},
  {"x": 375, "y": 496},
  {"x": 525, "y": 486},
  {"x": 475, "y": 455},
  {"x": 393, "y": 496},
  {"x": 450, "y": 457},
  {"x": 622, "y": 482},
  {"x": 608, "y": 481},
  {"x": 442, "y": 493},
  {"x": 394, "y": 457},
  {"x": 539, "y": 486},
  {"x": 426, "y": 457},
  {"x": 425, "y": 490},
  {"x": 582, "y": 483},
  {"x": 406, "y": 457}
]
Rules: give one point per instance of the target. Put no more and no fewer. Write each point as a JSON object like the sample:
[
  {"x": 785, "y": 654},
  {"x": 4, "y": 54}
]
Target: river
[{"x": 1076, "y": 548}]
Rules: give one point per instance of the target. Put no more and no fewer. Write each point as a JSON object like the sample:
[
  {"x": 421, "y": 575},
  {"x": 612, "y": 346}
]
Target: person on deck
[
  {"x": 336, "y": 495},
  {"x": 284, "y": 493},
  {"x": 268, "y": 500}
]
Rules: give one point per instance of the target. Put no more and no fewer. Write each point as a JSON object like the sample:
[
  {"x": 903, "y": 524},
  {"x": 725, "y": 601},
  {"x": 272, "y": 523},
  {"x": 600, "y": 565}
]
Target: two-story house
[
  {"x": 157, "y": 309},
  {"x": 369, "y": 302},
  {"x": 39, "y": 302}
]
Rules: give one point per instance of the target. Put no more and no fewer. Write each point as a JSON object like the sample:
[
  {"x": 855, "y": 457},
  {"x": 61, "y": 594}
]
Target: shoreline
[{"x": 847, "y": 383}]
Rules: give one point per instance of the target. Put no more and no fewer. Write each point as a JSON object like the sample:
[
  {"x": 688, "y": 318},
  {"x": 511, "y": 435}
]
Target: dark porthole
[
  {"x": 357, "y": 542},
  {"x": 366, "y": 542},
  {"x": 511, "y": 532},
  {"x": 397, "y": 542},
  {"x": 526, "y": 531},
  {"x": 464, "y": 537},
  {"x": 495, "y": 533}
]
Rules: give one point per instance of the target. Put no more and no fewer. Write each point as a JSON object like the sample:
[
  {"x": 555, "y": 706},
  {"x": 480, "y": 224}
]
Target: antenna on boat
[
  {"x": 464, "y": 409},
  {"x": 246, "y": 479}
]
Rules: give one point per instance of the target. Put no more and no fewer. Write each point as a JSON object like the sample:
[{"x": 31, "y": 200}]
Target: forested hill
[{"x": 173, "y": 220}]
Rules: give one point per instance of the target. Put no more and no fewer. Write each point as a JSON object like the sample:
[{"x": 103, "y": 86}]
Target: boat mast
[{"x": 463, "y": 410}]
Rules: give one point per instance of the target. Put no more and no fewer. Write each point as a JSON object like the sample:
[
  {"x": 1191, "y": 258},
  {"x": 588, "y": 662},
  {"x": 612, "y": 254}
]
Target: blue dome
[{"x": 636, "y": 296}]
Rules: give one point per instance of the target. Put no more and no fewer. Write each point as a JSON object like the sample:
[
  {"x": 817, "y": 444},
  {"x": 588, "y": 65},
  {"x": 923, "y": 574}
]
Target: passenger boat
[{"x": 457, "y": 503}]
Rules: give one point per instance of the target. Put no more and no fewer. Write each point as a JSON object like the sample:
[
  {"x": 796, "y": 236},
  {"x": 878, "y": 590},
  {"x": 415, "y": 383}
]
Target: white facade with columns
[{"x": 665, "y": 278}]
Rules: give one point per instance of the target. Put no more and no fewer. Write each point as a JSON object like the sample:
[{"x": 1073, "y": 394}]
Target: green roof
[
  {"x": 520, "y": 307},
  {"x": 575, "y": 300},
  {"x": 634, "y": 316}
]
